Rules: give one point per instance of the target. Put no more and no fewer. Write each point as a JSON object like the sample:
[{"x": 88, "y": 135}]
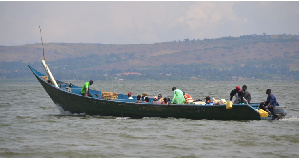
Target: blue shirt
[{"x": 272, "y": 99}]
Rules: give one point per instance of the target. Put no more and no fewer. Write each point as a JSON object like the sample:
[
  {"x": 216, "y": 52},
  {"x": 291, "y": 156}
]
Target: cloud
[
  {"x": 269, "y": 17},
  {"x": 142, "y": 22},
  {"x": 207, "y": 19},
  {"x": 217, "y": 19}
]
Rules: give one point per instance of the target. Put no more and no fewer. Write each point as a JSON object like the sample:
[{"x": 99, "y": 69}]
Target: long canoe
[{"x": 70, "y": 100}]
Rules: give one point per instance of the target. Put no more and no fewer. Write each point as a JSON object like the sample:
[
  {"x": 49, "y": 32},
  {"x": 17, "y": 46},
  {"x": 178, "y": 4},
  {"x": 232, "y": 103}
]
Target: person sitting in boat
[
  {"x": 160, "y": 99},
  {"x": 271, "y": 101},
  {"x": 178, "y": 97},
  {"x": 246, "y": 94},
  {"x": 129, "y": 95},
  {"x": 237, "y": 92},
  {"x": 138, "y": 98},
  {"x": 166, "y": 101},
  {"x": 85, "y": 90},
  {"x": 154, "y": 99},
  {"x": 146, "y": 99},
  {"x": 143, "y": 96},
  {"x": 208, "y": 101},
  {"x": 188, "y": 98}
]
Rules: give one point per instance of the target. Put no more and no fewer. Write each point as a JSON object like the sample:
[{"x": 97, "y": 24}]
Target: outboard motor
[{"x": 279, "y": 111}]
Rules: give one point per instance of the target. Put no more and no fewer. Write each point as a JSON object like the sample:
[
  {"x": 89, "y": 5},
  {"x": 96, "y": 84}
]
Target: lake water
[{"x": 32, "y": 126}]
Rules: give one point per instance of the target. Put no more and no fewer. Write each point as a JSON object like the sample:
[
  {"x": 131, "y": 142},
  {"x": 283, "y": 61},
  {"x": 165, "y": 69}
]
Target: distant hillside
[{"x": 227, "y": 58}]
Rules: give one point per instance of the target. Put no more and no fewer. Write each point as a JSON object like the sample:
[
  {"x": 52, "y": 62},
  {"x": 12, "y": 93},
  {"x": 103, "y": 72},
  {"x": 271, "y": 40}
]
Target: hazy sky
[{"x": 142, "y": 22}]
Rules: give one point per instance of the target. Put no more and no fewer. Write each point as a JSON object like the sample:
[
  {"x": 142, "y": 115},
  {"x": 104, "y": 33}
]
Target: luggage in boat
[
  {"x": 68, "y": 89},
  {"x": 109, "y": 95},
  {"x": 199, "y": 103},
  {"x": 222, "y": 101},
  {"x": 219, "y": 102},
  {"x": 263, "y": 113}
]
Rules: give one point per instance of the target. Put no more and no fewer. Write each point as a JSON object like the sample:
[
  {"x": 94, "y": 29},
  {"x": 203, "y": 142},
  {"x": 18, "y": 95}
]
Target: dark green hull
[{"x": 75, "y": 103}]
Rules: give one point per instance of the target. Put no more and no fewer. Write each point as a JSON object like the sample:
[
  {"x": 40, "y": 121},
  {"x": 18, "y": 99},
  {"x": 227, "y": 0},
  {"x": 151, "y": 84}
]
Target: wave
[
  {"x": 293, "y": 118},
  {"x": 67, "y": 113}
]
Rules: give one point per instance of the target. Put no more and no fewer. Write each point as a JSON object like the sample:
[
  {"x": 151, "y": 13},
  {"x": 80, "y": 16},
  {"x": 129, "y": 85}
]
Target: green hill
[{"x": 246, "y": 57}]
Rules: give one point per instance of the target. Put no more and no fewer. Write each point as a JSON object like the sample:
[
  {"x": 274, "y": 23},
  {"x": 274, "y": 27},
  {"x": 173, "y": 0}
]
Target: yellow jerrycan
[{"x": 229, "y": 105}]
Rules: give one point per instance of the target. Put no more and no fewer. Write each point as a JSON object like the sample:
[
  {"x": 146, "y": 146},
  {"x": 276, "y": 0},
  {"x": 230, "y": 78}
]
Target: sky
[{"x": 142, "y": 22}]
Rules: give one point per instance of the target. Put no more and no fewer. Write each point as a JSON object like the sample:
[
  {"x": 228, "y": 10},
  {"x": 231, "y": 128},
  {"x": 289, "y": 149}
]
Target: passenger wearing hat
[
  {"x": 237, "y": 92},
  {"x": 129, "y": 95},
  {"x": 85, "y": 90},
  {"x": 144, "y": 95}
]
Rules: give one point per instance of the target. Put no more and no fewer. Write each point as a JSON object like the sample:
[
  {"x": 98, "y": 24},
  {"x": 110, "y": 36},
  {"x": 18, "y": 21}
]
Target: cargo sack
[{"x": 109, "y": 95}]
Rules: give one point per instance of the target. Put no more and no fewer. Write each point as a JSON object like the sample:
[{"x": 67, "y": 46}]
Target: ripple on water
[{"x": 34, "y": 127}]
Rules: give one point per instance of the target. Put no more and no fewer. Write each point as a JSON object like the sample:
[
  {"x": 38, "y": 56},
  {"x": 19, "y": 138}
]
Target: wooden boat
[{"x": 69, "y": 99}]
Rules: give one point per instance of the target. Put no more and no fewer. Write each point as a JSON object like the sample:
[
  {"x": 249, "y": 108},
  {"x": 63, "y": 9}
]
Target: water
[{"x": 32, "y": 126}]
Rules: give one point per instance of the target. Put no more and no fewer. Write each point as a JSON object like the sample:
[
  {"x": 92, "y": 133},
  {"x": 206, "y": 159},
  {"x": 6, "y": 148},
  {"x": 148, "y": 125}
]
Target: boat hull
[{"x": 76, "y": 103}]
